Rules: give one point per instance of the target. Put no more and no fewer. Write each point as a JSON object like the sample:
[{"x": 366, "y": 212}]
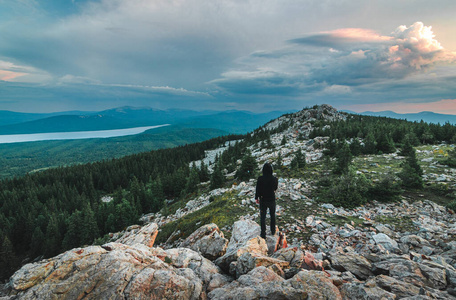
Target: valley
[{"x": 352, "y": 240}]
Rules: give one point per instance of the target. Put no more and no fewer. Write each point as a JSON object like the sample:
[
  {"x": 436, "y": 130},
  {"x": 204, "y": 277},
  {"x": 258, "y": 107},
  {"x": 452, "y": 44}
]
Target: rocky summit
[{"x": 404, "y": 249}]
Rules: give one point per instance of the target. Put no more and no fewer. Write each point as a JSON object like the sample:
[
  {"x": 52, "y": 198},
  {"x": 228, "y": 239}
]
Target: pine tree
[
  {"x": 299, "y": 160},
  {"x": 217, "y": 178},
  {"x": 279, "y": 162},
  {"x": 411, "y": 172},
  {"x": 8, "y": 260},
  {"x": 370, "y": 145},
  {"x": 204, "y": 172},
  {"x": 37, "y": 242},
  {"x": 53, "y": 238},
  {"x": 355, "y": 147},
  {"x": 343, "y": 159},
  {"x": 385, "y": 143},
  {"x": 192, "y": 181},
  {"x": 89, "y": 228},
  {"x": 284, "y": 140},
  {"x": 247, "y": 168}
]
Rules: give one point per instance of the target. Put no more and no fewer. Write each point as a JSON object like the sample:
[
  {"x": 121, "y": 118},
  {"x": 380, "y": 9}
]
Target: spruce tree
[
  {"x": 411, "y": 172},
  {"x": 299, "y": 160},
  {"x": 217, "y": 178},
  {"x": 192, "y": 181},
  {"x": 247, "y": 168},
  {"x": 343, "y": 159}
]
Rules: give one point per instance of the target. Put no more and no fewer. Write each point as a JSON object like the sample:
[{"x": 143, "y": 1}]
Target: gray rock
[
  {"x": 360, "y": 291},
  {"x": 139, "y": 235},
  {"x": 385, "y": 241},
  {"x": 260, "y": 283},
  {"x": 356, "y": 264},
  {"x": 112, "y": 271},
  {"x": 207, "y": 240},
  {"x": 399, "y": 288}
]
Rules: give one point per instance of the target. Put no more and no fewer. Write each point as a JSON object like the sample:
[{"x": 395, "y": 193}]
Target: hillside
[
  {"x": 128, "y": 117},
  {"x": 425, "y": 116},
  {"x": 18, "y": 159},
  {"x": 378, "y": 239}
]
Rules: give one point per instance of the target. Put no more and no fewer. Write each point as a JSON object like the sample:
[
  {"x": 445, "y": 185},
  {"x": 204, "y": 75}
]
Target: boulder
[
  {"x": 385, "y": 241},
  {"x": 256, "y": 245},
  {"x": 139, "y": 235},
  {"x": 242, "y": 232},
  {"x": 249, "y": 261},
  {"x": 360, "y": 291},
  {"x": 401, "y": 268},
  {"x": 260, "y": 283},
  {"x": 293, "y": 255},
  {"x": 207, "y": 240},
  {"x": 399, "y": 288},
  {"x": 414, "y": 241},
  {"x": 206, "y": 270},
  {"x": 111, "y": 271},
  {"x": 435, "y": 273},
  {"x": 352, "y": 262},
  {"x": 316, "y": 283}
]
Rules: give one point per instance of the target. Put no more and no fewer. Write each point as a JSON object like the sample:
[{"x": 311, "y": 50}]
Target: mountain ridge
[
  {"x": 128, "y": 117},
  {"x": 426, "y": 116}
]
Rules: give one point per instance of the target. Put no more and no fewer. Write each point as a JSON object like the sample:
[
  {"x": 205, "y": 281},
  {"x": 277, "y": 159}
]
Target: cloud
[
  {"x": 17, "y": 73},
  {"x": 348, "y": 64}
]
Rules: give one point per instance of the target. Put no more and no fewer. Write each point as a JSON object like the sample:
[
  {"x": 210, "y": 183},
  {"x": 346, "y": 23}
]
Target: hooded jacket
[{"x": 266, "y": 185}]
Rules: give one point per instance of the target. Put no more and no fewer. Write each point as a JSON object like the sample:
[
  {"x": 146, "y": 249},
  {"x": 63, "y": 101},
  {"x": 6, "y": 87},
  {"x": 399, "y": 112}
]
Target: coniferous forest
[{"x": 45, "y": 213}]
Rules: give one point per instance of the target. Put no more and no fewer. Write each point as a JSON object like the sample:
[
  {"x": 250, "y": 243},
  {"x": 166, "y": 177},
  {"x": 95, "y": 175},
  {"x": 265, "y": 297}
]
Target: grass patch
[
  {"x": 225, "y": 210},
  {"x": 401, "y": 224},
  {"x": 338, "y": 220}
]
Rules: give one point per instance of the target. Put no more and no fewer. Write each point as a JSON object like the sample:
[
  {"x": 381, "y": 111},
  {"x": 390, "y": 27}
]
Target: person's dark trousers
[{"x": 263, "y": 208}]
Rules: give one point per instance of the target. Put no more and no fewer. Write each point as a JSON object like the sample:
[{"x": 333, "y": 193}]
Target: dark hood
[{"x": 267, "y": 169}]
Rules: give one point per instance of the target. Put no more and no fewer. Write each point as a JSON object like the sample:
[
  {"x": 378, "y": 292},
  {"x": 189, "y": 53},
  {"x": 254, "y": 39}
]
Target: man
[{"x": 265, "y": 196}]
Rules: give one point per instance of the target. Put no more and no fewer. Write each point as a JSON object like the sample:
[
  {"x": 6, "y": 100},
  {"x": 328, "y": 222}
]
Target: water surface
[{"x": 75, "y": 135}]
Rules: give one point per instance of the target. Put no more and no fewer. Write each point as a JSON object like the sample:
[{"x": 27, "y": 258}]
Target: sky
[{"x": 256, "y": 55}]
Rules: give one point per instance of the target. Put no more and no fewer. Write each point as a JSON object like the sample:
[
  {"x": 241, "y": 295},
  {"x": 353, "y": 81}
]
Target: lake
[{"x": 75, "y": 135}]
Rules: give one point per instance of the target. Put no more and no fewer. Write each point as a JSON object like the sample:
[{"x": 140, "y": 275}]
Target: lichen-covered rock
[
  {"x": 260, "y": 283},
  {"x": 360, "y": 291},
  {"x": 113, "y": 271},
  {"x": 293, "y": 255},
  {"x": 316, "y": 283},
  {"x": 256, "y": 245},
  {"x": 387, "y": 242},
  {"x": 207, "y": 240},
  {"x": 249, "y": 261},
  {"x": 206, "y": 270},
  {"x": 399, "y": 288},
  {"x": 242, "y": 232},
  {"x": 139, "y": 235},
  {"x": 350, "y": 261}
]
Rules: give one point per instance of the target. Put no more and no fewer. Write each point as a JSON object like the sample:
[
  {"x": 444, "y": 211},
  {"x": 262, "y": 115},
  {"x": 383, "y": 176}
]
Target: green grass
[
  {"x": 223, "y": 211},
  {"x": 401, "y": 224},
  {"x": 338, "y": 220}
]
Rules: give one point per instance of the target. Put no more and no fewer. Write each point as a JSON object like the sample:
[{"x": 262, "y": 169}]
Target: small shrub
[
  {"x": 348, "y": 190},
  {"x": 385, "y": 190}
]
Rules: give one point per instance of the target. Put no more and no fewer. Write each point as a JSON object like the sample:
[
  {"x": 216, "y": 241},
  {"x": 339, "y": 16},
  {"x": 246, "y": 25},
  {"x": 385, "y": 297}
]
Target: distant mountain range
[
  {"x": 128, "y": 117},
  {"x": 426, "y": 116}
]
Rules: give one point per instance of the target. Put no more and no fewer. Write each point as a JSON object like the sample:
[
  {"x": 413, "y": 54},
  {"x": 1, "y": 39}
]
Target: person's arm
[
  {"x": 276, "y": 183},
  {"x": 257, "y": 192}
]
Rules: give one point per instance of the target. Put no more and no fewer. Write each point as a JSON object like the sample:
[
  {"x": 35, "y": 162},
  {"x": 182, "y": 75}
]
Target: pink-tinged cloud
[
  {"x": 416, "y": 46},
  {"x": 446, "y": 106},
  {"x": 9, "y": 75},
  {"x": 357, "y": 34}
]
